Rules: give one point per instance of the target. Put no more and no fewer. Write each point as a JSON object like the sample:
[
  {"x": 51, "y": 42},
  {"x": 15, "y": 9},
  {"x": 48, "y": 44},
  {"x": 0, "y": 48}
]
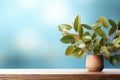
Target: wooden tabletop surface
[{"x": 58, "y": 74}]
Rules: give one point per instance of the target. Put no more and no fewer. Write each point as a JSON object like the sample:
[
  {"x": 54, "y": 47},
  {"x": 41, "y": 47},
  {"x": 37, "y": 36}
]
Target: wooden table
[{"x": 58, "y": 74}]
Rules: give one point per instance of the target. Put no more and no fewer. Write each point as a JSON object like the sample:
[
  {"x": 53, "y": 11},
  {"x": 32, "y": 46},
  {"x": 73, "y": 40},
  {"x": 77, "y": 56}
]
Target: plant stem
[{"x": 88, "y": 51}]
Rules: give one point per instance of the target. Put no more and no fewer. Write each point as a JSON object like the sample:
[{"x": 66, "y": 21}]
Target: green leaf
[
  {"x": 86, "y": 37},
  {"x": 110, "y": 47},
  {"x": 117, "y": 34},
  {"x": 80, "y": 54},
  {"x": 76, "y": 23},
  {"x": 119, "y": 25},
  {"x": 69, "y": 50},
  {"x": 113, "y": 60},
  {"x": 97, "y": 24},
  {"x": 86, "y": 33},
  {"x": 80, "y": 44},
  {"x": 104, "y": 49},
  {"x": 116, "y": 42},
  {"x": 77, "y": 50},
  {"x": 117, "y": 57},
  {"x": 100, "y": 32},
  {"x": 115, "y": 49},
  {"x": 64, "y": 27},
  {"x": 67, "y": 39},
  {"x": 86, "y": 26},
  {"x": 112, "y": 23},
  {"x": 107, "y": 58},
  {"x": 103, "y": 41},
  {"x": 104, "y": 22},
  {"x": 93, "y": 36},
  {"x": 96, "y": 45},
  {"x": 112, "y": 30},
  {"x": 80, "y": 31}
]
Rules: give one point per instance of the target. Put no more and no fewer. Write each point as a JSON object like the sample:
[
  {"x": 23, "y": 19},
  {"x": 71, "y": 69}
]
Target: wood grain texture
[
  {"x": 58, "y": 77},
  {"x": 70, "y": 75}
]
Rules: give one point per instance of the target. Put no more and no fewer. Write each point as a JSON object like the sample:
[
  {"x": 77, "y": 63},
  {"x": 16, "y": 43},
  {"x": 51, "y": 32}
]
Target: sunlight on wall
[
  {"x": 29, "y": 43},
  {"x": 27, "y": 40},
  {"x": 28, "y": 4},
  {"x": 55, "y": 12}
]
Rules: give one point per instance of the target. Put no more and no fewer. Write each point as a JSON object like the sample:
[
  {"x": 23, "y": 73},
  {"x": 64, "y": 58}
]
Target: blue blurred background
[{"x": 29, "y": 36}]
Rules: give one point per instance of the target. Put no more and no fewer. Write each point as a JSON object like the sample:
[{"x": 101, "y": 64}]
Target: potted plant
[{"x": 101, "y": 40}]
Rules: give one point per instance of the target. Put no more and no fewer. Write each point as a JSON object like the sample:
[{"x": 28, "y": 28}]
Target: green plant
[{"x": 102, "y": 38}]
